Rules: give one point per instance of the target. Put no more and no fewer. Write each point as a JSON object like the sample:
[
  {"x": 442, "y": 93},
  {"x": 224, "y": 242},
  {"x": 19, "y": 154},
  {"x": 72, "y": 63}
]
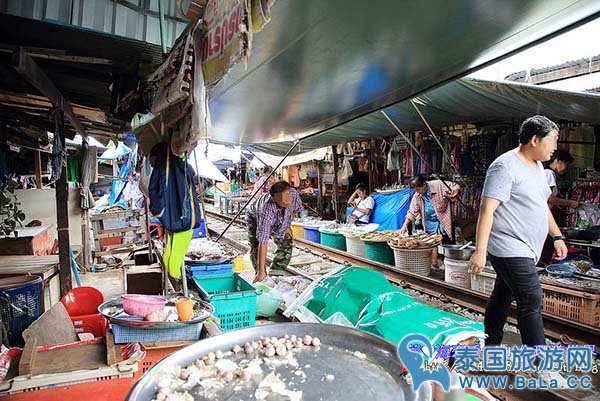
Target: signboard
[{"x": 227, "y": 37}]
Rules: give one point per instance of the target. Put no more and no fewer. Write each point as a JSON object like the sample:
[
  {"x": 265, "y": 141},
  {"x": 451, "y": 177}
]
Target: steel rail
[{"x": 555, "y": 327}]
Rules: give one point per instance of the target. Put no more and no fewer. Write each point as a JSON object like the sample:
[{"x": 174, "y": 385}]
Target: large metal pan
[
  {"x": 377, "y": 376},
  {"x": 113, "y": 311},
  {"x": 454, "y": 252}
]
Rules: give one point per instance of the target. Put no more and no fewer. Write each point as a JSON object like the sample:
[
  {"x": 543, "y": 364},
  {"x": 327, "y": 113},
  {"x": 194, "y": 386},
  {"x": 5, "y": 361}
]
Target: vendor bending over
[
  {"x": 432, "y": 202},
  {"x": 271, "y": 215}
]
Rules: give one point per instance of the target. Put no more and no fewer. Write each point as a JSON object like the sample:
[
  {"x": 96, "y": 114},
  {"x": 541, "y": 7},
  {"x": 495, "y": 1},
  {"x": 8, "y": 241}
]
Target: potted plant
[{"x": 10, "y": 214}]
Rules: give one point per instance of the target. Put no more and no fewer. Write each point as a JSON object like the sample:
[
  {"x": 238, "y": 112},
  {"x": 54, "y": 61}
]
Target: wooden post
[
  {"x": 335, "y": 182},
  {"x": 369, "y": 167},
  {"x": 320, "y": 190},
  {"x": 62, "y": 218},
  {"x": 38, "y": 169}
]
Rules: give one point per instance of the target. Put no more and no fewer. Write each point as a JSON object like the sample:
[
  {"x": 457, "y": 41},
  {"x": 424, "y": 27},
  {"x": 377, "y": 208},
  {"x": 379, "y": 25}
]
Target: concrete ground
[{"x": 109, "y": 283}]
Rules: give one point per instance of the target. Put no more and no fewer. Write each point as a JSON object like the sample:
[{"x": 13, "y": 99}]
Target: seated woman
[
  {"x": 308, "y": 189},
  {"x": 363, "y": 205}
]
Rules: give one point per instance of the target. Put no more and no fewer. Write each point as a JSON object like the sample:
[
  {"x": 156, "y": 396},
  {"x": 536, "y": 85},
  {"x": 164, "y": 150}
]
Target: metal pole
[
  {"x": 161, "y": 20},
  {"x": 434, "y": 136},
  {"x": 258, "y": 190},
  {"x": 419, "y": 153},
  {"x": 201, "y": 195},
  {"x": 335, "y": 183},
  {"x": 257, "y": 158}
]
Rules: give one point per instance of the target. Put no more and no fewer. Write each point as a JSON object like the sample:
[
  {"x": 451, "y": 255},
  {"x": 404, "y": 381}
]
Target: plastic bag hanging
[{"x": 393, "y": 158}]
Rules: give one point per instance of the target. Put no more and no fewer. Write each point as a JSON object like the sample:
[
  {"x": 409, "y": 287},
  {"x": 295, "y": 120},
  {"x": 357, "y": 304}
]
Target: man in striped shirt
[{"x": 270, "y": 215}]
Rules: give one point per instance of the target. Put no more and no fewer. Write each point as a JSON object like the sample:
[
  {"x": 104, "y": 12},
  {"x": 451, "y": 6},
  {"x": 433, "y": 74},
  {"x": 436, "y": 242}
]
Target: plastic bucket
[
  {"x": 333, "y": 240},
  {"x": 379, "y": 252},
  {"x": 457, "y": 272},
  {"x": 266, "y": 304},
  {"x": 355, "y": 246},
  {"x": 312, "y": 234},
  {"x": 298, "y": 230}
]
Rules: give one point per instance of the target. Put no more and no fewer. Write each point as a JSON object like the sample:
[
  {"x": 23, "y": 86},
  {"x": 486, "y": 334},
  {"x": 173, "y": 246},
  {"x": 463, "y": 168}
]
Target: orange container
[{"x": 185, "y": 308}]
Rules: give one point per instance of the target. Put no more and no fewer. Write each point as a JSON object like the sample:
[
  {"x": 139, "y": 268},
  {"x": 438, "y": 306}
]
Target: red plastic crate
[{"x": 94, "y": 323}]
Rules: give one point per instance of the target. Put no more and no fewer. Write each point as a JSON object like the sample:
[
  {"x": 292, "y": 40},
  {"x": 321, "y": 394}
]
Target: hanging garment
[
  {"x": 173, "y": 198},
  {"x": 393, "y": 157},
  {"x": 176, "y": 245},
  {"x": 347, "y": 171}
]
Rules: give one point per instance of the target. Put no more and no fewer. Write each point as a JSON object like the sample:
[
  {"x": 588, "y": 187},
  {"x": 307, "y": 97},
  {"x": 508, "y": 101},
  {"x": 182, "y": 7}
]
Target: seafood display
[{"x": 421, "y": 241}]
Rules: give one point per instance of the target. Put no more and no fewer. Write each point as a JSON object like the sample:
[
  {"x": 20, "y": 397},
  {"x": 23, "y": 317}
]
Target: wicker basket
[
  {"x": 379, "y": 251},
  {"x": 414, "y": 260},
  {"x": 355, "y": 246},
  {"x": 577, "y": 306}
]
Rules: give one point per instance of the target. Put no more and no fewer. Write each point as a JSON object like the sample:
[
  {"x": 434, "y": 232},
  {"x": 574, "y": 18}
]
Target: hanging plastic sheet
[
  {"x": 118, "y": 185},
  {"x": 390, "y": 209},
  {"x": 368, "y": 301}
]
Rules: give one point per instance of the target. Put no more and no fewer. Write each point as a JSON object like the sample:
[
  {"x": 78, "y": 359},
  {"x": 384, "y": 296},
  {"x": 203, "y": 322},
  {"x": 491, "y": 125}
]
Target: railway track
[
  {"x": 434, "y": 286},
  {"x": 556, "y": 328}
]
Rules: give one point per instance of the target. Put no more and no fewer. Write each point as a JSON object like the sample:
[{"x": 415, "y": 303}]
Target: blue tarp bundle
[{"x": 390, "y": 209}]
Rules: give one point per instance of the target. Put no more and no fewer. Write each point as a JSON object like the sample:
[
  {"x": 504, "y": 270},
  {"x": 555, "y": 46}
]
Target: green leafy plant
[{"x": 10, "y": 214}]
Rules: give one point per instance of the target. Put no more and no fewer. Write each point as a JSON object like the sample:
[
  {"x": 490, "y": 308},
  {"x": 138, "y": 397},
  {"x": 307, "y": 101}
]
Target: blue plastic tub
[
  {"x": 20, "y": 304},
  {"x": 312, "y": 234},
  {"x": 204, "y": 270}
]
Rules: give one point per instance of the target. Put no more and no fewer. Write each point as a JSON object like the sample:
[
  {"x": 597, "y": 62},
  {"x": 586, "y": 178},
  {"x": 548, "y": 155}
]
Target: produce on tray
[
  {"x": 201, "y": 249},
  {"x": 150, "y": 308},
  {"x": 421, "y": 241},
  {"x": 379, "y": 236},
  {"x": 251, "y": 367}
]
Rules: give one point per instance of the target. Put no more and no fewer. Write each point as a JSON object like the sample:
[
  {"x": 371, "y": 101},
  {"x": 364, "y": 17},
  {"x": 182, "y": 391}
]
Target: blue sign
[{"x": 418, "y": 368}]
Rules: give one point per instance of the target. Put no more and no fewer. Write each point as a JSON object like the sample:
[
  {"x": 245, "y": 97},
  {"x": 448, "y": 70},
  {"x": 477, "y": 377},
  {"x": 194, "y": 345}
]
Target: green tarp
[{"x": 371, "y": 303}]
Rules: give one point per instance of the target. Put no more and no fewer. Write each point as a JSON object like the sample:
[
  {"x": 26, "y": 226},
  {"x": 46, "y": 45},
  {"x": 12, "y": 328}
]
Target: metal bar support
[{"x": 258, "y": 190}]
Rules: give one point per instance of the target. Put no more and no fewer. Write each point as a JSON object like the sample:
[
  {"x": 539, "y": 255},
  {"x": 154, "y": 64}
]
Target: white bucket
[
  {"x": 457, "y": 272},
  {"x": 355, "y": 246}
]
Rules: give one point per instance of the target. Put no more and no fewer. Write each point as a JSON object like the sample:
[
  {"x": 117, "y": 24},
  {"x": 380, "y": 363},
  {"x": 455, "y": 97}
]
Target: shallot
[
  {"x": 270, "y": 351},
  {"x": 199, "y": 363},
  {"x": 307, "y": 340},
  {"x": 219, "y": 354},
  {"x": 281, "y": 350},
  {"x": 316, "y": 342},
  {"x": 184, "y": 374},
  {"x": 248, "y": 349},
  {"x": 227, "y": 377},
  {"x": 211, "y": 356},
  {"x": 236, "y": 349}
]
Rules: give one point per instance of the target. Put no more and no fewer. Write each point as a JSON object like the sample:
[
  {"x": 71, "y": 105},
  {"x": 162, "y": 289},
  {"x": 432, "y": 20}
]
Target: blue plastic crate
[
  {"x": 127, "y": 334},
  {"x": 203, "y": 270},
  {"x": 19, "y": 306},
  {"x": 233, "y": 298}
]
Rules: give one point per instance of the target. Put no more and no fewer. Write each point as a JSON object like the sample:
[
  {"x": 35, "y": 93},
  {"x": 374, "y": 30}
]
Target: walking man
[{"x": 512, "y": 226}]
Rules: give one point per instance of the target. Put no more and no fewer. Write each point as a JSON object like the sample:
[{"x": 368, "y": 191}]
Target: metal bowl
[
  {"x": 377, "y": 376},
  {"x": 454, "y": 252},
  {"x": 113, "y": 311}
]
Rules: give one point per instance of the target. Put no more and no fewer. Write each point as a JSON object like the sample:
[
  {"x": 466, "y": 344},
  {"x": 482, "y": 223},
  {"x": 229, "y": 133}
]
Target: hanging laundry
[
  {"x": 173, "y": 198},
  {"x": 176, "y": 246}
]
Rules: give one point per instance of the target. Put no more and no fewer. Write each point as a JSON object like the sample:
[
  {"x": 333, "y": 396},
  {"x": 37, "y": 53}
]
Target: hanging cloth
[{"x": 393, "y": 157}]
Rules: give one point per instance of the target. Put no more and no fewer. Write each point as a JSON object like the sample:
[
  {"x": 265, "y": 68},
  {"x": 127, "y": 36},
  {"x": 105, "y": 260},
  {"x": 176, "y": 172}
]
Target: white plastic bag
[
  {"x": 393, "y": 158},
  {"x": 347, "y": 171}
]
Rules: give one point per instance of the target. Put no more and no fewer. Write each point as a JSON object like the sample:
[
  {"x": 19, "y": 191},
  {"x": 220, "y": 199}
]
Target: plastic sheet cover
[
  {"x": 390, "y": 209},
  {"x": 466, "y": 100},
  {"x": 369, "y": 302}
]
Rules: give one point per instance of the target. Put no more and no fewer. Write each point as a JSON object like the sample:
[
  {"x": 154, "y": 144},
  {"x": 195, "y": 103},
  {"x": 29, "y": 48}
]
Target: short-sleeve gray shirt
[{"x": 521, "y": 221}]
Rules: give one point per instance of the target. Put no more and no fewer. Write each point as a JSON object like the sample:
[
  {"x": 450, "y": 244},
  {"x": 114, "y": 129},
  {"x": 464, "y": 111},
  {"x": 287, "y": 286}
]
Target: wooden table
[
  {"x": 29, "y": 241},
  {"x": 46, "y": 267}
]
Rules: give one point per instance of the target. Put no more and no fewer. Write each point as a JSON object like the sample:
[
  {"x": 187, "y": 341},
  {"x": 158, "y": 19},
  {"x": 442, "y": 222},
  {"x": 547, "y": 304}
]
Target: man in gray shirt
[{"x": 513, "y": 224}]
